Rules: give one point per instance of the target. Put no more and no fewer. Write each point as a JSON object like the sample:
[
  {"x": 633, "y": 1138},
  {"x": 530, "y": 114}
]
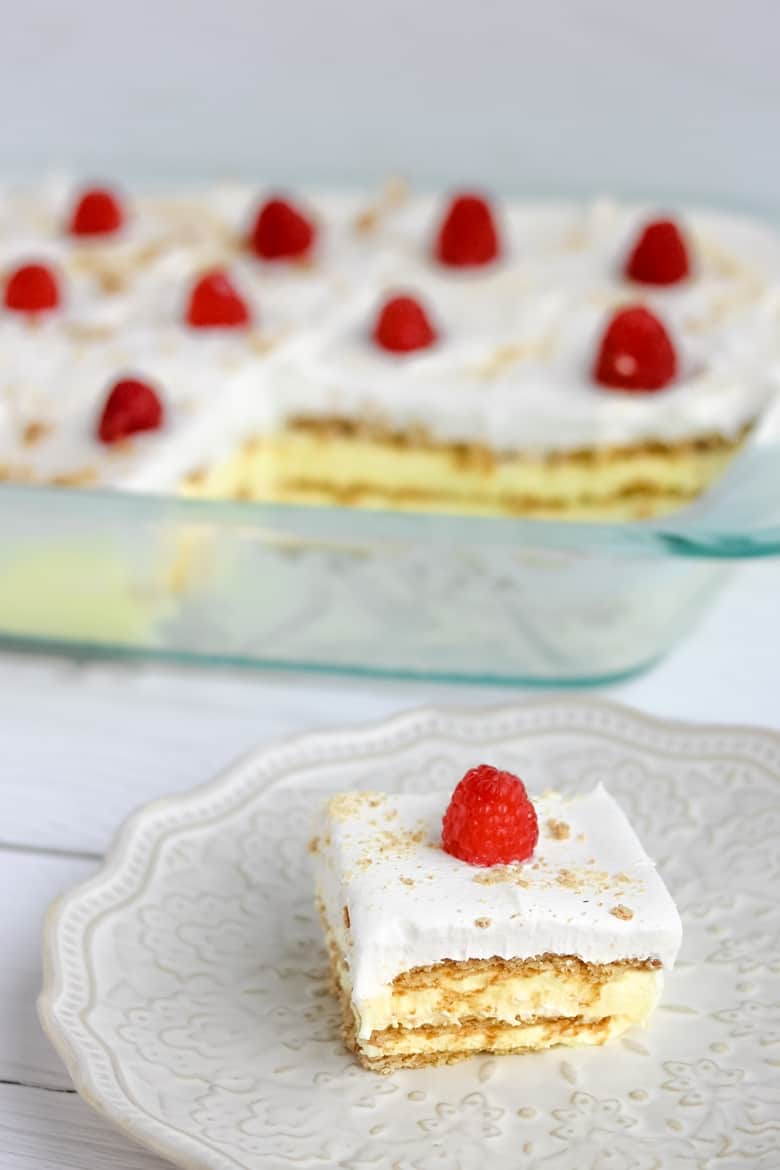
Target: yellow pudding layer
[
  {"x": 335, "y": 462},
  {"x": 415, "y": 1048},
  {"x": 509, "y": 991}
]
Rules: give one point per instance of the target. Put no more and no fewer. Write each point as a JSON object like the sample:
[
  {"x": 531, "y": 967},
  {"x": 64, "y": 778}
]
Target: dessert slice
[{"x": 487, "y": 923}]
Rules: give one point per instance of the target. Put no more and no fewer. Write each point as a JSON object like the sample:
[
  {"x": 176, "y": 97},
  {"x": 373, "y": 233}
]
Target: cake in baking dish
[
  {"x": 408, "y": 351},
  {"x": 486, "y": 922}
]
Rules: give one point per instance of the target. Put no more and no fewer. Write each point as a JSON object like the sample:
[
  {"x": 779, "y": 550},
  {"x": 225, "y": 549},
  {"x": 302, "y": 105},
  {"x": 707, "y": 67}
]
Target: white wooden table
[{"x": 83, "y": 743}]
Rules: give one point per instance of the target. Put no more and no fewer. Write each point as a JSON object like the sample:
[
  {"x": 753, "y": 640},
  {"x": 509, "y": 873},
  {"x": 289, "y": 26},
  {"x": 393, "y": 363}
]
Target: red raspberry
[
  {"x": 490, "y": 820},
  {"x": 216, "y": 304},
  {"x": 281, "y": 231},
  {"x": 660, "y": 255},
  {"x": 468, "y": 235},
  {"x": 403, "y": 325},
  {"x": 636, "y": 352},
  {"x": 131, "y": 406},
  {"x": 32, "y": 288},
  {"x": 98, "y": 212}
]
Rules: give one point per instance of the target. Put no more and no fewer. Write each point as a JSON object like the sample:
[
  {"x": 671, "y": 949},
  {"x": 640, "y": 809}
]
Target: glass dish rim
[{"x": 670, "y": 536}]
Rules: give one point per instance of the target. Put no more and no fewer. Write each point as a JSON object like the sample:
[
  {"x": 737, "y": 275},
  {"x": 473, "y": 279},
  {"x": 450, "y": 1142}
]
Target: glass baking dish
[{"x": 410, "y": 594}]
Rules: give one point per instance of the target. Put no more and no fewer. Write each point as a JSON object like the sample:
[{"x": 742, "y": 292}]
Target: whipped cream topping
[
  {"x": 519, "y": 340},
  {"x": 512, "y": 368},
  {"x": 395, "y": 901},
  {"x": 124, "y": 299}
]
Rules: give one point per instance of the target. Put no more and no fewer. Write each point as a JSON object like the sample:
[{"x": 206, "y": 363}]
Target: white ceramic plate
[{"x": 185, "y": 984}]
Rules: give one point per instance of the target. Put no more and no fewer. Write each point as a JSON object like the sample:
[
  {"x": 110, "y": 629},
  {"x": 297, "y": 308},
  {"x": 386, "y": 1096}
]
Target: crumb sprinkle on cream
[{"x": 622, "y": 912}]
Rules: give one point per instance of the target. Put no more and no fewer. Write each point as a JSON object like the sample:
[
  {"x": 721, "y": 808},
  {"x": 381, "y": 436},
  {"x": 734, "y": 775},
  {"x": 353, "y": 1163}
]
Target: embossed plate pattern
[{"x": 185, "y": 984}]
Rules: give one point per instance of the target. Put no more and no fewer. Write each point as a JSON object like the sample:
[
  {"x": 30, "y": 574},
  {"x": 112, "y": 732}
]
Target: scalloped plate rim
[{"x": 56, "y": 970}]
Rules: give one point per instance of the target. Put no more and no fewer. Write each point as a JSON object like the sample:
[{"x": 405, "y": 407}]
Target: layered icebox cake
[
  {"x": 485, "y": 921},
  {"x": 457, "y": 353}
]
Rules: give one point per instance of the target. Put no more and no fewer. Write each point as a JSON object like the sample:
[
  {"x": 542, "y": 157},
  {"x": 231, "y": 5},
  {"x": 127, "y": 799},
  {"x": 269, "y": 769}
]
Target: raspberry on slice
[
  {"x": 98, "y": 212},
  {"x": 467, "y": 236},
  {"x": 32, "y": 288},
  {"x": 490, "y": 819},
  {"x": 636, "y": 352},
  {"x": 215, "y": 303},
  {"x": 281, "y": 231},
  {"x": 131, "y": 406},
  {"x": 403, "y": 325},
  {"x": 659, "y": 255}
]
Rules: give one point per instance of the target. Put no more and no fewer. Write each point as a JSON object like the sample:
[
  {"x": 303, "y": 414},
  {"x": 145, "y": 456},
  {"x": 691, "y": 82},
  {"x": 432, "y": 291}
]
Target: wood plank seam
[
  {"x": 49, "y": 851},
  {"x": 39, "y": 1087}
]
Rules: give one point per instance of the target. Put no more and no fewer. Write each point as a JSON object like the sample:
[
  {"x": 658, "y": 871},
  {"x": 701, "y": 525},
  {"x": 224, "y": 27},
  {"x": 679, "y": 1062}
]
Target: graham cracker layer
[
  {"x": 480, "y": 454},
  {"x": 495, "y": 969},
  {"x": 467, "y": 1032},
  {"x": 362, "y": 463},
  {"x": 395, "y": 1048}
]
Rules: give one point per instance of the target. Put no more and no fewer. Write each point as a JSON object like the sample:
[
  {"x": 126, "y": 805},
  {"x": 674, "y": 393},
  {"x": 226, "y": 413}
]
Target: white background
[
  {"x": 537, "y": 95},
  {"x": 551, "y": 96}
]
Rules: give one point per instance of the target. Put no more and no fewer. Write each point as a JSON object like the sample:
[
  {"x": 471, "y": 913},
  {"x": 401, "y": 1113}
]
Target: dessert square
[{"x": 435, "y": 959}]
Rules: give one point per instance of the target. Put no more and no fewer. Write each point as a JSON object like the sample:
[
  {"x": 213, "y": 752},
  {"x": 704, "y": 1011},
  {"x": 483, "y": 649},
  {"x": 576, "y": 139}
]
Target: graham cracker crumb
[
  {"x": 580, "y": 837},
  {"x": 575, "y": 239},
  {"x": 366, "y": 221},
  {"x": 349, "y": 804},
  {"x": 313, "y": 845},
  {"x": 35, "y": 431},
  {"x": 398, "y": 842},
  {"x": 394, "y": 193},
  {"x": 18, "y": 474},
  {"x": 112, "y": 280},
  {"x": 568, "y": 878},
  {"x": 89, "y": 331},
  {"x": 558, "y": 830},
  {"x": 504, "y": 357},
  {"x": 197, "y": 477},
  {"x": 122, "y": 447},
  {"x": 482, "y": 923},
  {"x": 407, "y": 881},
  {"x": 81, "y": 478},
  {"x": 622, "y": 912},
  {"x": 345, "y": 916},
  {"x": 148, "y": 252},
  {"x": 498, "y": 874},
  {"x": 261, "y": 343}
]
